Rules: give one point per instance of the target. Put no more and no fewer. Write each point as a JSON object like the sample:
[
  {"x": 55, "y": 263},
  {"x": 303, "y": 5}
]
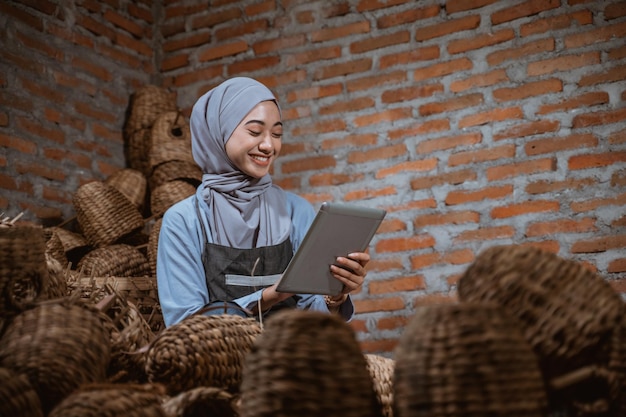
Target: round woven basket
[
  {"x": 97, "y": 400},
  {"x": 175, "y": 170},
  {"x": 381, "y": 369},
  {"x": 153, "y": 245},
  {"x": 467, "y": 359},
  {"x": 17, "y": 396},
  {"x": 23, "y": 272},
  {"x": 105, "y": 215},
  {"x": 202, "y": 401},
  {"x": 201, "y": 351},
  {"x": 132, "y": 184},
  {"x": 168, "y": 194},
  {"x": 120, "y": 260},
  {"x": 567, "y": 312},
  {"x": 59, "y": 344},
  {"x": 307, "y": 363},
  {"x": 171, "y": 139}
]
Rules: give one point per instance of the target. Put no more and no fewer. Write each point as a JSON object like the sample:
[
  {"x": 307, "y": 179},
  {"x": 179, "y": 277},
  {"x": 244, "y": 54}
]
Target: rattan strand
[
  {"x": 105, "y": 215},
  {"x": 17, "y": 396},
  {"x": 466, "y": 359},
  {"x": 120, "y": 260},
  {"x": 201, "y": 351},
  {"x": 307, "y": 364}
]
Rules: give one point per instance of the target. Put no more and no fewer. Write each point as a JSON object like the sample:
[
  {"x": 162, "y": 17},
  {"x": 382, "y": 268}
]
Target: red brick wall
[{"x": 473, "y": 122}]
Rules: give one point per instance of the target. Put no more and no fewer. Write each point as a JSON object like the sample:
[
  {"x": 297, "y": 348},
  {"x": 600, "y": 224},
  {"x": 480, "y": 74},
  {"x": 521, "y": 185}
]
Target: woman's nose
[{"x": 266, "y": 144}]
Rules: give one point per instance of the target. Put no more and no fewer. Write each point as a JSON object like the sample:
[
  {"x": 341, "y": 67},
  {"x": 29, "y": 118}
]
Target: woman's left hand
[{"x": 351, "y": 270}]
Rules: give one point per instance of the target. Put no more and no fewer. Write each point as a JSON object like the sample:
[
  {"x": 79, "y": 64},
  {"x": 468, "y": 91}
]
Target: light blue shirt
[{"x": 180, "y": 273}]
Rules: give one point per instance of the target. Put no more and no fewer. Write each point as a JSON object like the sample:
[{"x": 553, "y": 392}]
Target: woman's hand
[{"x": 351, "y": 270}]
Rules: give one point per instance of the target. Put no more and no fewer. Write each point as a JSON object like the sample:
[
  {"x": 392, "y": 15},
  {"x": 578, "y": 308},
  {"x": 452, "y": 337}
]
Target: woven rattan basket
[
  {"x": 17, "y": 396},
  {"x": 201, "y": 351},
  {"x": 168, "y": 194},
  {"x": 153, "y": 245},
  {"x": 65, "y": 246},
  {"x": 23, "y": 270},
  {"x": 175, "y": 170},
  {"x": 467, "y": 359},
  {"x": 59, "y": 344},
  {"x": 202, "y": 401},
  {"x": 307, "y": 364},
  {"x": 57, "y": 280},
  {"x": 105, "y": 215},
  {"x": 132, "y": 184},
  {"x": 171, "y": 139},
  {"x": 118, "y": 260},
  {"x": 98, "y": 400},
  {"x": 567, "y": 312},
  {"x": 381, "y": 369}
]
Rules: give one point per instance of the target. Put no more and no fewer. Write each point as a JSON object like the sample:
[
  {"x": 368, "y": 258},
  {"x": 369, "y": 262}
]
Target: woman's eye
[
  {"x": 253, "y": 133},
  {"x": 277, "y": 135}
]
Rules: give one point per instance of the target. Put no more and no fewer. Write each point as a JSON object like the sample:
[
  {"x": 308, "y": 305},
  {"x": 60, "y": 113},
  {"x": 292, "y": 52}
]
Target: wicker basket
[
  {"x": 17, "y": 396},
  {"x": 202, "y": 401},
  {"x": 567, "y": 311},
  {"x": 59, "y": 344},
  {"x": 175, "y": 170},
  {"x": 381, "y": 369},
  {"x": 307, "y": 363},
  {"x": 201, "y": 351},
  {"x": 168, "y": 194},
  {"x": 171, "y": 140},
  {"x": 98, "y": 400},
  {"x": 105, "y": 215},
  {"x": 132, "y": 184},
  {"x": 23, "y": 272},
  {"x": 119, "y": 260},
  {"x": 65, "y": 246},
  {"x": 153, "y": 245},
  {"x": 467, "y": 359},
  {"x": 57, "y": 280}
]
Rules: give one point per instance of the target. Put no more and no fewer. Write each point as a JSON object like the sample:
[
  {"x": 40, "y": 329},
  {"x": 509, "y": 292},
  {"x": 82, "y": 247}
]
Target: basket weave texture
[
  {"x": 120, "y": 260},
  {"x": 17, "y": 396},
  {"x": 466, "y": 359},
  {"x": 307, "y": 364},
  {"x": 168, "y": 194},
  {"x": 132, "y": 184},
  {"x": 175, "y": 170},
  {"x": 202, "y": 401},
  {"x": 381, "y": 370},
  {"x": 171, "y": 139},
  {"x": 153, "y": 245},
  {"x": 566, "y": 311},
  {"x": 201, "y": 351},
  {"x": 59, "y": 344},
  {"x": 105, "y": 215}
]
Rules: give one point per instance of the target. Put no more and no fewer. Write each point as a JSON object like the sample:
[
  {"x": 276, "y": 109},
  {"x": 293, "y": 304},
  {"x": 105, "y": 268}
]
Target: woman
[{"x": 239, "y": 222}]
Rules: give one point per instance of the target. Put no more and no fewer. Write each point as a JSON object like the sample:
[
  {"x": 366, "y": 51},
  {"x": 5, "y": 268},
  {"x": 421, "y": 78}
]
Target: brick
[
  {"x": 610, "y": 75},
  {"x": 409, "y": 166},
  {"x": 615, "y": 10},
  {"x": 290, "y": 183},
  {"x": 55, "y": 194},
  {"x": 479, "y": 80},
  {"x": 448, "y": 27},
  {"x": 259, "y": 8},
  {"x": 92, "y": 112},
  {"x": 430, "y": 126},
  {"x": 593, "y": 98},
  {"x": 172, "y": 62},
  {"x": 209, "y": 20},
  {"x": 588, "y": 205},
  {"x": 132, "y": 60},
  {"x": 441, "y": 69},
  {"x": 379, "y": 42},
  {"x": 528, "y": 167},
  {"x": 40, "y": 170},
  {"x": 187, "y": 41},
  {"x": 334, "y": 125},
  {"x": 562, "y": 63},
  {"x": 481, "y": 41},
  {"x": 17, "y": 143},
  {"x": 596, "y": 35},
  {"x": 23, "y": 16},
  {"x": 377, "y": 345},
  {"x": 365, "y": 194},
  {"x": 455, "y": 6},
  {"x": 599, "y": 118},
  {"x": 384, "y": 116},
  {"x": 497, "y": 114},
  {"x": 68, "y": 80},
  {"x": 395, "y": 285},
  {"x": 618, "y": 137},
  {"x": 392, "y": 322},
  {"x": 403, "y": 244},
  {"x": 391, "y": 225},
  {"x": 326, "y": 179},
  {"x": 455, "y": 177},
  {"x": 548, "y": 186},
  {"x": 44, "y": 47},
  {"x": 173, "y": 10},
  {"x": 308, "y": 164},
  {"x": 452, "y": 217},
  {"x": 410, "y": 93},
  {"x": 527, "y": 207},
  {"x": 385, "y": 264},
  {"x": 427, "y": 53},
  {"x": 600, "y": 244},
  {"x": 254, "y": 64},
  {"x": 103, "y": 132},
  {"x": 373, "y": 81},
  {"x": 279, "y": 44},
  {"x": 448, "y": 142},
  {"x": 317, "y": 54},
  {"x": 352, "y": 141},
  {"x": 616, "y": 266},
  {"x": 80, "y": 160},
  {"x": 527, "y": 129},
  {"x": 452, "y": 104},
  {"x": 425, "y": 260},
  {"x": 294, "y": 113},
  {"x": 523, "y": 51},
  {"x": 525, "y": 9},
  {"x": 550, "y": 228},
  {"x": 554, "y": 23},
  {"x": 347, "y": 106},
  {"x": 45, "y": 215},
  {"x": 332, "y": 33},
  {"x": 140, "y": 12},
  {"x": 122, "y": 22},
  {"x": 618, "y": 179},
  {"x": 316, "y": 92},
  {"x": 7, "y": 182},
  {"x": 473, "y": 156},
  {"x": 35, "y": 128},
  {"x": 559, "y": 144},
  {"x": 237, "y": 30},
  {"x": 93, "y": 68},
  {"x": 472, "y": 196},
  {"x": 22, "y": 63},
  {"x": 485, "y": 234},
  {"x": 4, "y": 119},
  {"x": 343, "y": 68},
  {"x": 388, "y": 152},
  {"x": 529, "y": 89},
  {"x": 407, "y": 16},
  {"x": 618, "y": 53}
]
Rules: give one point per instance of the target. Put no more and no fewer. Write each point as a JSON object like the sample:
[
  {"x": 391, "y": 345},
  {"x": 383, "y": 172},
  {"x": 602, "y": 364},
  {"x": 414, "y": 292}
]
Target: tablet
[{"x": 337, "y": 230}]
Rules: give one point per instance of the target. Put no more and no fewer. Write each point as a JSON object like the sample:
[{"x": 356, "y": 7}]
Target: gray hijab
[{"x": 243, "y": 212}]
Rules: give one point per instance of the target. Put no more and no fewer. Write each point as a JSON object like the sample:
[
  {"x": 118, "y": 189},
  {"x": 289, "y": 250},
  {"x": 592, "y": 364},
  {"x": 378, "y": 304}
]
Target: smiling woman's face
[{"x": 257, "y": 140}]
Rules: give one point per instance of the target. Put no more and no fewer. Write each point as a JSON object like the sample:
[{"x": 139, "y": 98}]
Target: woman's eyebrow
[{"x": 261, "y": 122}]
